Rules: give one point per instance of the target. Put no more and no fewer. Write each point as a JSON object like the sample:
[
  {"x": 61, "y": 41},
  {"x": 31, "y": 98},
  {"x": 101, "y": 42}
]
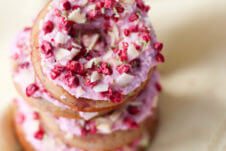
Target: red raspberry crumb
[
  {"x": 91, "y": 126},
  {"x": 122, "y": 54},
  {"x": 92, "y": 14},
  {"x": 47, "y": 48},
  {"x": 158, "y": 46},
  {"x": 75, "y": 7},
  {"x": 66, "y": 5},
  {"x": 24, "y": 65},
  {"x": 133, "y": 110},
  {"x": 138, "y": 47},
  {"x": 125, "y": 45},
  {"x": 48, "y": 27},
  {"x": 31, "y": 89},
  {"x": 20, "y": 118},
  {"x": 71, "y": 80},
  {"x": 104, "y": 68},
  {"x": 158, "y": 86},
  {"x": 130, "y": 122},
  {"x": 134, "y": 28},
  {"x": 66, "y": 25},
  {"x": 90, "y": 84},
  {"x": 56, "y": 71},
  {"x": 119, "y": 9},
  {"x": 159, "y": 57},
  {"x": 116, "y": 19},
  {"x": 99, "y": 5},
  {"x": 146, "y": 37},
  {"x": 142, "y": 6},
  {"x": 84, "y": 131},
  {"x": 36, "y": 116},
  {"x": 133, "y": 17},
  {"x": 124, "y": 68},
  {"x": 39, "y": 134},
  {"x": 116, "y": 97},
  {"x": 126, "y": 32},
  {"x": 27, "y": 29},
  {"x": 75, "y": 67},
  {"x": 108, "y": 3}
]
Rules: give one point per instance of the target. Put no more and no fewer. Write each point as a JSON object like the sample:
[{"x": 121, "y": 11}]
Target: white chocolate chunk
[
  {"x": 91, "y": 7},
  {"x": 132, "y": 52},
  {"x": 101, "y": 87},
  {"x": 115, "y": 116},
  {"x": 104, "y": 128},
  {"x": 90, "y": 41},
  {"x": 83, "y": 2},
  {"x": 108, "y": 57},
  {"x": 79, "y": 91},
  {"x": 124, "y": 79},
  {"x": 77, "y": 16},
  {"x": 87, "y": 115},
  {"x": 61, "y": 38},
  {"x": 114, "y": 34},
  {"x": 64, "y": 55},
  {"x": 95, "y": 76},
  {"x": 61, "y": 53},
  {"x": 91, "y": 62}
]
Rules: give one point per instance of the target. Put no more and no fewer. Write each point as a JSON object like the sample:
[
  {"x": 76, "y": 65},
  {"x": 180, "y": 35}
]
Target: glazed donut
[
  {"x": 23, "y": 77},
  {"x": 94, "y": 55},
  {"x": 33, "y": 137},
  {"x": 127, "y": 124}
]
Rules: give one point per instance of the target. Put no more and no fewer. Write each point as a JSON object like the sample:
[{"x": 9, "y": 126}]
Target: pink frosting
[
  {"x": 20, "y": 52},
  {"x": 115, "y": 121},
  {"x": 58, "y": 39},
  {"x": 29, "y": 120},
  {"x": 30, "y": 126}
]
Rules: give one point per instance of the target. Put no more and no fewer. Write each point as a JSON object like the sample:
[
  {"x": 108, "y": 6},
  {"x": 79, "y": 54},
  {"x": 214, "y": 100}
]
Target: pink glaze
[
  {"x": 30, "y": 123},
  {"x": 116, "y": 120},
  {"x": 30, "y": 126},
  {"x": 24, "y": 75},
  {"x": 139, "y": 43}
]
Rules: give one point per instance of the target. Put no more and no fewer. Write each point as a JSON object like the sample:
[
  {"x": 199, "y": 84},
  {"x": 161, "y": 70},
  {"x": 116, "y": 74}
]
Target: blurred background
[{"x": 193, "y": 103}]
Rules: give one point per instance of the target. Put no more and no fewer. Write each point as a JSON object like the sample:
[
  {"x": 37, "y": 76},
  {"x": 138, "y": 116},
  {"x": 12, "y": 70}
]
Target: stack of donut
[{"x": 86, "y": 72}]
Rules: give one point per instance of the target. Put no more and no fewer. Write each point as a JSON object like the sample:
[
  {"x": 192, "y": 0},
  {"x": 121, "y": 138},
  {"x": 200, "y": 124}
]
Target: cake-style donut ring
[
  {"x": 24, "y": 78},
  {"x": 94, "y": 55},
  {"x": 127, "y": 124},
  {"x": 37, "y": 138}
]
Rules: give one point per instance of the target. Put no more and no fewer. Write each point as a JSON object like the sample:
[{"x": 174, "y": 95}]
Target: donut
[
  {"x": 94, "y": 55},
  {"x": 23, "y": 69},
  {"x": 127, "y": 124},
  {"x": 33, "y": 137}
]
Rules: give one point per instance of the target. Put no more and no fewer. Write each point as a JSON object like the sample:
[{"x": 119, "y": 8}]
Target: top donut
[{"x": 102, "y": 50}]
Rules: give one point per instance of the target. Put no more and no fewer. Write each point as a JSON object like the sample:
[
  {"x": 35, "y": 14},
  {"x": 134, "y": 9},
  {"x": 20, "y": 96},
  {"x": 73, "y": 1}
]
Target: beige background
[{"x": 193, "y": 104}]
